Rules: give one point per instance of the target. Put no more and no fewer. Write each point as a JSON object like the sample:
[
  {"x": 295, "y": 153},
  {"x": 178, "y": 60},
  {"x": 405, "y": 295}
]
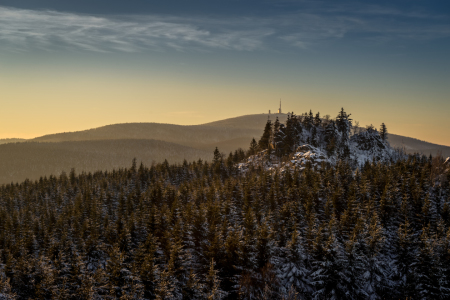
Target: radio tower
[{"x": 279, "y": 110}]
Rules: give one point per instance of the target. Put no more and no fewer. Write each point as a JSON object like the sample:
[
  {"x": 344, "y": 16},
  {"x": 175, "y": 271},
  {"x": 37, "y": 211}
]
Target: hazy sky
[{"x": 74, "y": 65}]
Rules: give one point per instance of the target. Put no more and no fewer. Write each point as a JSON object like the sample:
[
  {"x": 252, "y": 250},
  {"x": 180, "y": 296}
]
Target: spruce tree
[
  {"x": 217, "y": 156},
  {"x": 212, "y": 284},
  {"x": 290, "y": 138},
  {"x": 293, "y": 270},
  {"x": 253, "y": 147},
  {"x": 405, "y": 262},
  {"x": 276, "y": 126},
  {"x": 193, "y": 289},
  {"x": 265, "y": 141},
  {"x": 118, "y": 273},
  {"x": 279, "y": 140},
  {"x": 145, "y": 259},
  {"x": 377, "y": 276},
  {"x": 344, "y": 126},
  {"x": 317, "y": 120},
  {"x": 426, "y": 269},
  {"x": 331, "y": 138},
  {"x": 383, "y": 132},
  {"x": 328, "y": 272}
]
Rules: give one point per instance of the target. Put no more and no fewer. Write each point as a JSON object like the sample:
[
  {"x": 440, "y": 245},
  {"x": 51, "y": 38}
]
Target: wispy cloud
[
  {"x": 364, "y": 23},
  {"x": 22, "y": 30},
  {"x": 27, "y": 30}
]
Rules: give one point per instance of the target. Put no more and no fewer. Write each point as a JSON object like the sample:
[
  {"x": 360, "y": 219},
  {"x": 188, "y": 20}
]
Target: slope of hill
[
  {"x": 255, "y": 122},
  {"x": 33, "y": 160},
  {"x": 228, "y": 134},
  {"x": 196, "y": 134},
  {"x": 412, "y": 145}
]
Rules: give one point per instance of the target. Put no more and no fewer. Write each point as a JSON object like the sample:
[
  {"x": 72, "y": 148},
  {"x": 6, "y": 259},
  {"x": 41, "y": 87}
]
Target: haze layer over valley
[{"x": 114, "y": 146}]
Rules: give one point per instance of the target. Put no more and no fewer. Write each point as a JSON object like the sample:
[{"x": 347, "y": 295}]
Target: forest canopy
[{"x": 205, "y": 230}]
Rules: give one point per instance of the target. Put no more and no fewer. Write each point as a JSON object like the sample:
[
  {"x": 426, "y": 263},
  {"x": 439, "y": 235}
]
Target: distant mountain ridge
[
  {"x": 117, "y": 144},
  {"x": 409, "y": 144},
  {"x": 197, "y": 136},
  {"x": 237, "y": 131},
  {"x": 412, "y": 145}
]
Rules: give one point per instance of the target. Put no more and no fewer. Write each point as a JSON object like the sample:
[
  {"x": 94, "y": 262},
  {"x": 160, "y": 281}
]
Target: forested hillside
[
  {"x": 20, "y": 162},
  {"x": 198, "y": 231},
  {"x": 33, "y": 160},
  {"x": 335, "y": 229}
]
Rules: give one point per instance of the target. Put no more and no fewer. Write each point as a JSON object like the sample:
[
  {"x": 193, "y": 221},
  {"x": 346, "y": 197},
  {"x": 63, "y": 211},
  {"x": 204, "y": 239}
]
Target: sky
[{"x": 75, "y": 65}]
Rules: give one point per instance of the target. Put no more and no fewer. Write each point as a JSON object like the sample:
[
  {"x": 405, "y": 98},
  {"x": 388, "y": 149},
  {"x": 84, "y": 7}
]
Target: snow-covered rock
[
  {"x": 368, "y": 146},
  {"x": 363, "y": 147},
  {"x": 307, "y": 154},
  {"x": 368, "y": 140},
  {"x": 304, "y": 154}
]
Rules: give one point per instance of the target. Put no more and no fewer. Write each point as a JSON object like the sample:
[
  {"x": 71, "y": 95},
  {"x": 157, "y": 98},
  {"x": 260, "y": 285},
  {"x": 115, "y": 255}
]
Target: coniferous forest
[{"x": 206, "y": 230}]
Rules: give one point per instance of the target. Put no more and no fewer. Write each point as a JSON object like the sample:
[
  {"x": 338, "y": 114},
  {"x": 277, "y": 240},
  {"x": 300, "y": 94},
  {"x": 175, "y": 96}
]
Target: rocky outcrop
[
  {"x": 304, "y": 154},
  {"x": 369, "y": 146},
  {"x": 363, "y": 147},
  {"x": 368, "y": 140}
]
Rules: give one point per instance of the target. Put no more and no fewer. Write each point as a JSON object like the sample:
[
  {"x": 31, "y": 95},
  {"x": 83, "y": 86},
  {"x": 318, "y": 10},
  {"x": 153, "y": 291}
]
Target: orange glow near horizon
[{"x": 51, "y": 100}]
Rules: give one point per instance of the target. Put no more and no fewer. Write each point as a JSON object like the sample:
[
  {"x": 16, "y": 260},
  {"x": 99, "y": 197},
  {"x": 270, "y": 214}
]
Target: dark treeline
[
  {"x": 332, "y": 135},
  {"x": 202, "y": 231}
]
